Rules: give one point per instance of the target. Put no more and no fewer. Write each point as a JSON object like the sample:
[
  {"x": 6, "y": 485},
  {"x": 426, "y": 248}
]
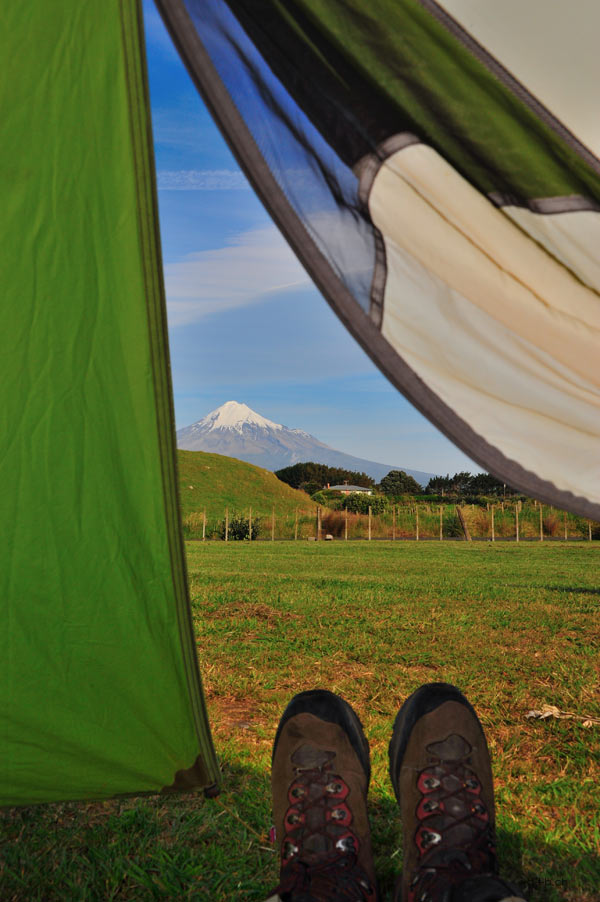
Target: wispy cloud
[
  {"x": 254, "y": 264},
  {"x": 211, "y": 179},
  {"x": 202, "y": 180}
]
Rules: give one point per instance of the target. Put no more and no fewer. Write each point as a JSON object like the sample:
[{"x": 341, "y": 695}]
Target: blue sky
[{"x": 245, "y": 322}]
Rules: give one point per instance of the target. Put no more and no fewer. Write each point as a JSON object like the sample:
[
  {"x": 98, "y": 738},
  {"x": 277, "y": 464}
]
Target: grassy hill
[{"x": 214, "y": 482}]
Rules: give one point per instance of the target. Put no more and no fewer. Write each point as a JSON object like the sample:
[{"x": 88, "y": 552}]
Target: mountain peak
[
  {"x": 233, "y": 415},
  {"x": 235, "y": 430}
]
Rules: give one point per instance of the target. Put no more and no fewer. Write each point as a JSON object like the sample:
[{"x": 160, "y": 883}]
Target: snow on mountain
[
  {"x": 237, "y": 431},
  {"x": 232, "y": 415}
]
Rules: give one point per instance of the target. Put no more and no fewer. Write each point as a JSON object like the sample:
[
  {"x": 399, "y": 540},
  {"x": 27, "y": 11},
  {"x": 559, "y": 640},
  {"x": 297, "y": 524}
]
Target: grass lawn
[{"x": 514, "y": 626}]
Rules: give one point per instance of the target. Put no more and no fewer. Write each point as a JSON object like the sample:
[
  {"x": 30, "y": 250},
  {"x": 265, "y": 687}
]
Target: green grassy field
[{"x": 514, "y": 626}]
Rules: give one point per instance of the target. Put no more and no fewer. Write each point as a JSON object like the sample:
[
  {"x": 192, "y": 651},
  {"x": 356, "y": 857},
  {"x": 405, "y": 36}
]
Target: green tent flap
[{"x": 100, "y": 688}]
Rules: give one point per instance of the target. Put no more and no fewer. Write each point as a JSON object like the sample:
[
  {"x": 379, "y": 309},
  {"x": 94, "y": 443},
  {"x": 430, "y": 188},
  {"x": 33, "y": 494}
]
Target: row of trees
[
  {"x": 313, "y": 477},
  {"x": 467, "y": 484},
  {"x": 462, "y": 484}
]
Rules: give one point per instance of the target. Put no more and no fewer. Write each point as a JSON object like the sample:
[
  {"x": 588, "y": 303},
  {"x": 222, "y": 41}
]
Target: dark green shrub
[
  {"x": 360, "y": 503},
  {"x": 397, "y": 483},
  {"x": 327, "y": 498},
  {"x": 239, "y": 528}
]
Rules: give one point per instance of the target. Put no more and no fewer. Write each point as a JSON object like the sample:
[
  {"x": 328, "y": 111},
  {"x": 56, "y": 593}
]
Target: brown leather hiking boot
[
  {"x": 442, "y": 776},
  {"x": 319, "y": 777}
]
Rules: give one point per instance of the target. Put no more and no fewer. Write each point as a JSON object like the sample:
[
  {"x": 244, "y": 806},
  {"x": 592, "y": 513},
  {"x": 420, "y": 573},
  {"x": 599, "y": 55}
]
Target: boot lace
[
  {"x": 319, "y": 852},
  {"x": 454, "y": 836}
]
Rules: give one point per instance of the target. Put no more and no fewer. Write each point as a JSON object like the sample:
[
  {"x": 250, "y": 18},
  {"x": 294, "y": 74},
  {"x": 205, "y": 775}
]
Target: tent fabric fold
[
  {"x": 101, "y": 694},
  {"x": 469, "y": 199}
]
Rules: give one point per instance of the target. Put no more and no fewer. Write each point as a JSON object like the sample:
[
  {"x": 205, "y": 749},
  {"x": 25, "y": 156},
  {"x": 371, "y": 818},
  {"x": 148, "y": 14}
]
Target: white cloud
[
  {"x": 255, "y": 264},
  {"x": 202, "y": 180}
]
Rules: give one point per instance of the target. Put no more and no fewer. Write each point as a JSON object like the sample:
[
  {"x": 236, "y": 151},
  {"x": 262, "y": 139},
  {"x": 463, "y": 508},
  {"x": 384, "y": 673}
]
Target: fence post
[
  {"x": 369, "y": 522},
  {"x": 416, "y": 523},
  {"x": 345, "y": 524},
  {"x": 318, "y": 523},
  {"x": 463, "y": 523},
  {"x": 204, "y": 526},
  {"x": 226, "y": 524},
  {"x": 517, "y": 522},
  {"x": 296, "y": 527},
  {"x": 394, "y": 523},
  {"x": 441, "y": 522},
  {"x": 541, "y": 523},
  {"x": 493, "y": 529},
  {"x": 565, "y": 522},
  {"x": 250, "y": 525},
  {"x": 589, "y": 530},
  {"x": 273, "y": 524}
]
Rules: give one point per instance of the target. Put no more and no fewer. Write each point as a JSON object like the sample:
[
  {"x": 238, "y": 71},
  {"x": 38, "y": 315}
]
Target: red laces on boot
[
  {"x": 319, "y": 851},
  {"x": 453, "y": 836}
]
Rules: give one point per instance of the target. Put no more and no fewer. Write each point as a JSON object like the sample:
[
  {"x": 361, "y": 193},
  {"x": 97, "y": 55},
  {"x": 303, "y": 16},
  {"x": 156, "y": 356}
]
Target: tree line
[
  {"x": 465, "y": 483},
  {"x": 312, "y": 477}
]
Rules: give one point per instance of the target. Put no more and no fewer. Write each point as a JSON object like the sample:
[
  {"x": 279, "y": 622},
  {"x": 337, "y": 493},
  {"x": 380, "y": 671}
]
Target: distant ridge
[{"x": 236, "y": 430}]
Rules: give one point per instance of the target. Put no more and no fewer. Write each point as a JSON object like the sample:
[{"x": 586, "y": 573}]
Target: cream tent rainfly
[{"x": 456, "y": 152}]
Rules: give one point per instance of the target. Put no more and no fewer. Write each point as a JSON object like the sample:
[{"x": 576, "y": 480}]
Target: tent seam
[
  {"x": 149, "y": 232},
  {"x": 506, "y": 78}
]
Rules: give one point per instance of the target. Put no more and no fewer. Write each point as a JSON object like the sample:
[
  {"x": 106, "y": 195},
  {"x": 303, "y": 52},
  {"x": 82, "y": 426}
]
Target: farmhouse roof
[{"x": 350, "y": 488}]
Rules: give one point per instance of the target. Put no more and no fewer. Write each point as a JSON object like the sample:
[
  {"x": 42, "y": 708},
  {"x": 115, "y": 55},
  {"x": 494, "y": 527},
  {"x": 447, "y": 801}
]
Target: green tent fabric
[{"x": 100, "y": 691}]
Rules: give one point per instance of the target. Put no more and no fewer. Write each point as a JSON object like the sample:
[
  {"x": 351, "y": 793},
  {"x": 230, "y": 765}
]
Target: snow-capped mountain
[
  {"x": 234, "y": 416},
  {"x": 237, "y": 431}
]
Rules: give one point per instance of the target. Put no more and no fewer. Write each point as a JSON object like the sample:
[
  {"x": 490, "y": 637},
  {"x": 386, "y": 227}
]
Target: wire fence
[{"x": 417, "y": 522}]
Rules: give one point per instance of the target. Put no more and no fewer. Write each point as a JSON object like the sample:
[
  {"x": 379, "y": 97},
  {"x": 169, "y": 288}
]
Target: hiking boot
[
  {"x": 320, "y": 775},
  {"x": 442, "y": 776}
]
